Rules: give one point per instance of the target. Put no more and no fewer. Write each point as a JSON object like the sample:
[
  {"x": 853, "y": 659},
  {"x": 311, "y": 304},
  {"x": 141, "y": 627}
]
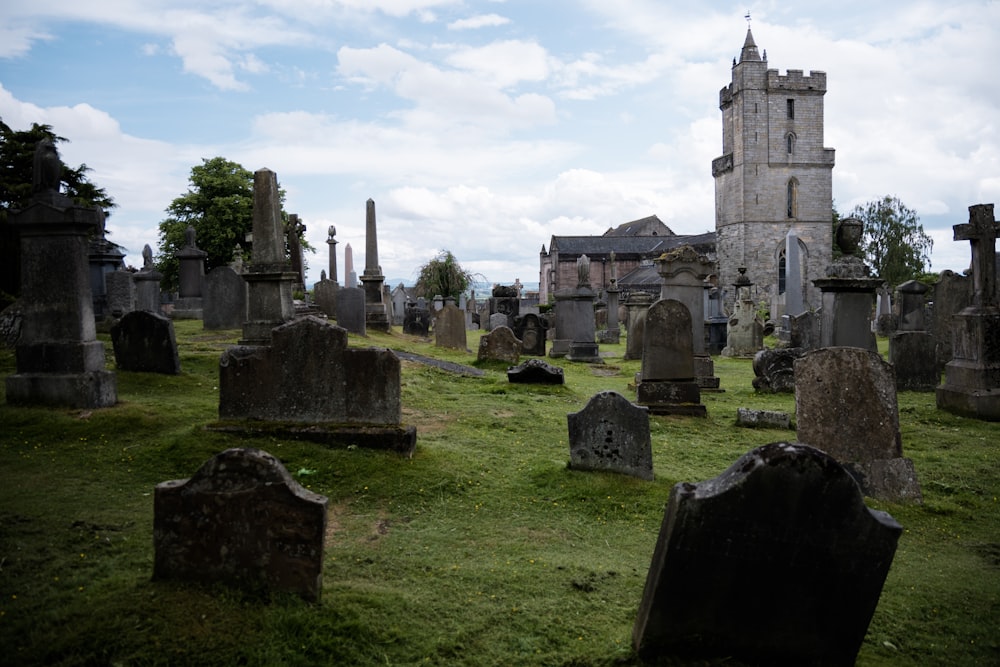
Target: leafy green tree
[
  {"x": 219, "y": 205},
  {"x": 442, "y": 275},
  {"x": 894, "y": 241},
  {"x": 17, "y": 153}
]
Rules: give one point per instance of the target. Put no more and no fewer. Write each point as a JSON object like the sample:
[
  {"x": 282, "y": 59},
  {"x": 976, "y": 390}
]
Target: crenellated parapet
[{"x": 795, "y": 80}]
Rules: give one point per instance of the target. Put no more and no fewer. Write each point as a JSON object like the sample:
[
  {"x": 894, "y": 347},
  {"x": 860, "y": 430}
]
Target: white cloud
[{"x": 479, "y": 21}]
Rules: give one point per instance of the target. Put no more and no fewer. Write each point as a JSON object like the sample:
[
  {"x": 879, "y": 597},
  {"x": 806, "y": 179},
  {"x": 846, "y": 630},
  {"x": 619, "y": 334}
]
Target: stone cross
[{"x": 981, "y": 233}]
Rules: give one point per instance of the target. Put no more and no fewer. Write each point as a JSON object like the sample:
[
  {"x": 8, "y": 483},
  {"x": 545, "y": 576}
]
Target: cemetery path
[{"x": 449, "y": 366}]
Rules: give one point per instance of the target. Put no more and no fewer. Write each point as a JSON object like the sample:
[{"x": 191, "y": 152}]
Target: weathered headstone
[
  {"x": 745, "y": 331},
  {"x": 498, "y": 320},
  {"x": 59, "y": 360},
  {"x": 952, "y": 294},
  {"x": 667, "y": 384},
  {"x": 189, "y": 304},
  {"x": 144, "y": 342},
  {"x": 845, "y": 404},
  {"x": 535, "y": 371},
  {"x": 309, "y": 378},
  {"x": 241, "y": 520},
  {"x": 794, "y": 300},
  {"x": 417, "y": 321},
  {"x": 776, "y": 561},
  {"x": 500, "y": 345},
  {"x": 224, "y": 304},
  {"x": 611, "y": 434},
  {"x": 751, "y": 418},
  {"x": 638, "y": 303},
  {"x": 574, "y": 314},
  {"x": 147, "y": 283},
  {"x": 351, "y": 310},
  {"x": 530, "y": 329},
  {"x": 121, "y": 292},
  {"x": 449, "y": 327},
  {"x": 848, "y": 293},
  {"x": 295, "y": 229},
  {"x": 912, "y": 350},
  {"x": 683, "y": 272},
  {"x": 971, "y": 384},
  {"x": 399, "y": 302},
  {"x": 775, "y": 369},
  {"x": 325, "y": 296}
]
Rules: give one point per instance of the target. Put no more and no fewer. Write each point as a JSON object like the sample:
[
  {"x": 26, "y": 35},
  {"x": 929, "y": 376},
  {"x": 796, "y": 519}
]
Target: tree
[
  {"x": 17, "y": 153},
  {"x": 894, "y": 241},
  {"x": 219, "y": 205},
  {"x": 443, "y": 276}
]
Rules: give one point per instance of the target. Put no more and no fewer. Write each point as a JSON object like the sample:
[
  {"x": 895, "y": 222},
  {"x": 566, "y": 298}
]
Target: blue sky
[{"x": 486, "y": 127}]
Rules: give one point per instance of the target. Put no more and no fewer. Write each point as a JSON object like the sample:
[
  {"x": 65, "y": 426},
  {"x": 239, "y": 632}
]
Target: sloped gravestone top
[
  {"x": 536, "y": 371},
  {"x": 611, "y": 434},
  {"x": 241, "y": 519},
  {"x": 775, "y": 561},
  {"x": 500, "y": 345}
]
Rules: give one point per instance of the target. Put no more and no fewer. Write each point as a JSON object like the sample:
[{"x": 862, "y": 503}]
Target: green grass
[{"x": 483, "y": 549}]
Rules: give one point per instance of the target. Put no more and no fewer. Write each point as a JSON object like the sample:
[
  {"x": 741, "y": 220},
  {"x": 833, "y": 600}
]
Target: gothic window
[
  {"x": 790, "y": 109},
  {"x": 791, "y": 198},
  {"x": 790, "y": 142},
  {"x": 781, "y": 272}
]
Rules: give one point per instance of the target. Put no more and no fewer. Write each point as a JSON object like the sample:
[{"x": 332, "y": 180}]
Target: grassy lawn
[{"x": 482, "y": 549}]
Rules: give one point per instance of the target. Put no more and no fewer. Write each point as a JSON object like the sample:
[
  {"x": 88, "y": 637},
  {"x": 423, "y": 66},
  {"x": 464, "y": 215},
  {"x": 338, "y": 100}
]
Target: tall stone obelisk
[
  {"x": 269, "y": 276},
  {"x": 372, "y": 279}
]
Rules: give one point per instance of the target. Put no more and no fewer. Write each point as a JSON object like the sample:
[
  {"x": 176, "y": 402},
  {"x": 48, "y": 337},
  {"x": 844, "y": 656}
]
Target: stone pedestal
[
  {"x": 191, "y": 277},
  {"x": 846, "y": 319},
  {"x": 59, "y": 361}
]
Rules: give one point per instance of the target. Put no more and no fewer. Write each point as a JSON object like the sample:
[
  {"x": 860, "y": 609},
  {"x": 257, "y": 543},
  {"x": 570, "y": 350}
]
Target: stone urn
[{"x": 849, "y": 233}]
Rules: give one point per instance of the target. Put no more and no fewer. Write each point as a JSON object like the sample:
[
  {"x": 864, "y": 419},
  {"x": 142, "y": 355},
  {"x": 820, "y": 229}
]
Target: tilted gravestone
[
  {"x": 774, "y": 369},
  {"x": 242, "y": 520},
  {"x": 775, "y": 561},
  {"x": 224, "y": 304},
  {"x": 500, "y": 345},
  {"x": 845, "y": 404},
  {"x": 611, "y": 434},
  {"x": 535, "y": 371},
  {"x": 145, "y": 342}
]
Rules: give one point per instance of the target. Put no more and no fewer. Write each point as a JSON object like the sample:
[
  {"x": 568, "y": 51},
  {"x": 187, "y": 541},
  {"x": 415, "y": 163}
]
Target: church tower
[{"x": 774, "y": 176}]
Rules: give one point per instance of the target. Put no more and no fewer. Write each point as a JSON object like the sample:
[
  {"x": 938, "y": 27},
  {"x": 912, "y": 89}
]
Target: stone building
[
  {"x": 773, "y": 176},
  {"x": 635, "y": 244}
]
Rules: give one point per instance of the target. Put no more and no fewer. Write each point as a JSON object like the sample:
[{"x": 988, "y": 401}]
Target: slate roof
[
  {"x": 648, "y": 226},
  {"x": 646, "y": 246}
]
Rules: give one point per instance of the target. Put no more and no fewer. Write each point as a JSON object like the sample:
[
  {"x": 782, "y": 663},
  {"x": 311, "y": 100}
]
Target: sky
[{"x": 486, "y": 127}]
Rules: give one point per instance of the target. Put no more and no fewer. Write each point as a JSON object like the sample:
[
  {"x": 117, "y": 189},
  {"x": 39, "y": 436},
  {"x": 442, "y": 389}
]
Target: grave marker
[{"x": 611, "y": 434}]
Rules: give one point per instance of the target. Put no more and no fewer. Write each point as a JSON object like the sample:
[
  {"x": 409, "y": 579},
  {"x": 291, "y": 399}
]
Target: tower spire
[{"x": 749, "y": 51}]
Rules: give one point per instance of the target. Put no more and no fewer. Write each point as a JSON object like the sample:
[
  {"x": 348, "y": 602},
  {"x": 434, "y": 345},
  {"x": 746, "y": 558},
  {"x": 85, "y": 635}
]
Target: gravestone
[
  {"x": 885, "y": 320},
  {"x": 530, "y": 329},
  {"x": 952, "y": 294},
  {"x": 500, "y": 345},
  {"x": 309, "y": 383},
  {"x": 189, "y": 304},
  {"x": 376, "y": 315},
  {"x": 294, "y": 230},
  {"x": 417, "y": 320},
  {"x": 845, "y": 404},
  {"x": 147, "y": 283},
  {"x": 848, "y": 294},
  {"x": 504, "y": 301},
  {"x": 59, "y": 360},
  {"x": 574, "y": 315},
  {"x": 121, "y": 292},
  {"x": 325, "y": 296},
  {"x": 144, "y": 342},
  {"x": 794, "y": 300},
  {"x": 774, "y": 369},
  {"x": 498, "y": 320},
  {"x": 805, "y": 330},
  {"x": 912, "y": 350},
  {"x": 351, "y": 310},
  {"x": 269, "y": 276},
  {"x": 776, "y": 561},
  {"x": 637, "y": 304},
  {"x": 535, "y": 371},
  {"x": 399, "y": 304},
  {"x": 971, "y": 384},
  {"x": 449, "y": 327},
  {"x": 611, "y": 434},
  {"x": 744, "y": 332},
  {"x": 611, "y": 335},
  {"x": 241, "y": 520},
  {"x": 224, "y": 304},
  {"x": 683, "y": 272},
  {"x": 667, "y": 384}
]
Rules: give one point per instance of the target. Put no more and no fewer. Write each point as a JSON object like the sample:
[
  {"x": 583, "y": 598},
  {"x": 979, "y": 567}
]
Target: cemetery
[{"x": 485, "y": 544}]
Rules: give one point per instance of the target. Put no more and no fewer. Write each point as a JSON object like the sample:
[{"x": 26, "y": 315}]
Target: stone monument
[
  {"x": 59, "y": 360},
  {"x": 745, "y": 331},
  {"x": 666, "y": 384},
  {"x": 376, "y": 316},
  {"x": 575, "y": 316},
  {"x": 848, "y": 293},
  {"x": 191, "y": 278},
  {"x": 912, "y": 350},
  {"x": 972, "y": 378},
  {"x": 611, "y": 434}
]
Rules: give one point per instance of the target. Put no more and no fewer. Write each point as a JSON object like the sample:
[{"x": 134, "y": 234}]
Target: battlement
[
  {"x": 794, "y": 80},
  {"x": 726, "y": 96}
]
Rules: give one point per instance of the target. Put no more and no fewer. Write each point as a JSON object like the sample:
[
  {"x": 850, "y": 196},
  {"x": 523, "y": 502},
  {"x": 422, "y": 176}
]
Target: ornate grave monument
[
  {"x": 59, "y": 359},
  {"x": 848, "y": 293},
  {"x": 376, "y": 316},
  {"x": 189, "y": 304}
]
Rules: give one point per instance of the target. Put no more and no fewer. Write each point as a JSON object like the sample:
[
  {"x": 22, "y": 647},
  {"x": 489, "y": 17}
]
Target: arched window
[
  {"x": 782, "y": 268},
  {"x": 790, "y": 142},
  {"x": 791, "y": 198}
]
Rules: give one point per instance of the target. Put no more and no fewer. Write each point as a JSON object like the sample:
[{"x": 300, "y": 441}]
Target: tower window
[
  {"x": 790, "y": 109},
  {"x": 791, "y": 198},
  {"x": 782, "y": 270},
  {"x": 790, "y": 141}
]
